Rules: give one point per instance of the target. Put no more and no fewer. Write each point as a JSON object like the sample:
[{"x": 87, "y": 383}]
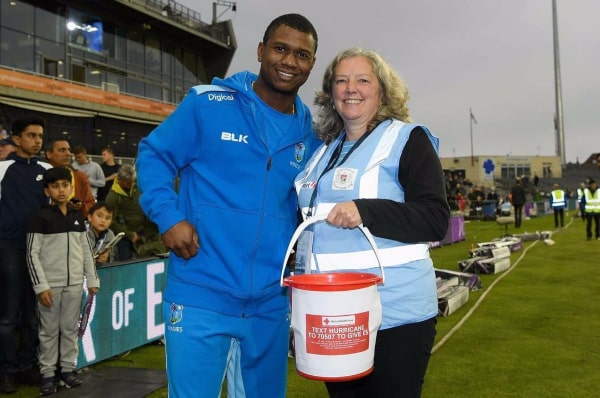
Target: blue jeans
[{"x": 18, "y": 314}]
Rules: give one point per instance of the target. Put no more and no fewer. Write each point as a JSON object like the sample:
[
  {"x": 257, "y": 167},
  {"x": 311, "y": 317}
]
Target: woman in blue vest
[{"x": 380, "y": 170}]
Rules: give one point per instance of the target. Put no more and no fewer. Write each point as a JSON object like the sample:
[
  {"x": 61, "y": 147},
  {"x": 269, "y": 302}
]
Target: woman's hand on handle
[{"x": 344, "y": 215}]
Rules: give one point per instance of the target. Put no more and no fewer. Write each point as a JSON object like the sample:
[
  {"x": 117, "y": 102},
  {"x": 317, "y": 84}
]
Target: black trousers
[
  {"x": 518, "y": 215},
  {"x": 401, "y": 358},
  {"x": 559, "y": 213},
  {"x": 596, "y": 218}
]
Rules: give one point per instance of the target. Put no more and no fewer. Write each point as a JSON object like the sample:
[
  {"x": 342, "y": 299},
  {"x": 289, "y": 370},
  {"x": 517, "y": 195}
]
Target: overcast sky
[{"x": 494, "y": 56}]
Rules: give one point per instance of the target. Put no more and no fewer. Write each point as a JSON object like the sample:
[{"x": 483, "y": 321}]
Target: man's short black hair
[
  {"x": 294, "y": 21},
  {"x": 20, "y": 123},
  {"x": 49, "y": 144},
  {"x": 55, "y": 174}
]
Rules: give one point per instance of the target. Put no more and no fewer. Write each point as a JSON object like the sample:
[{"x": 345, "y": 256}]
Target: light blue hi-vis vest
[
  {"x": 370, "y": 172},
  {"x": 409, "y": 294}
]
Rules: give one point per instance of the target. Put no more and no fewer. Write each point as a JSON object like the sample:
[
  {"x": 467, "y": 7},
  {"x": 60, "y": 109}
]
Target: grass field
[{"x": 532, "y": 331}]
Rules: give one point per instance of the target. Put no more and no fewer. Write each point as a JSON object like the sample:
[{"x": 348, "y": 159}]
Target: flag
[{"x": 473, "y": 117}]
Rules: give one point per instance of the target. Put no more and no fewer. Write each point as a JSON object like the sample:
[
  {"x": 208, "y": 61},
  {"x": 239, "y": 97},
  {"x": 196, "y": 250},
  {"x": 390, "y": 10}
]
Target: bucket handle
[{"x": 323, "y": 217}]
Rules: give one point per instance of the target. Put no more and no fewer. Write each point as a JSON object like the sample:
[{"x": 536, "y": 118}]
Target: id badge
[{"x": 304, "y": 253}]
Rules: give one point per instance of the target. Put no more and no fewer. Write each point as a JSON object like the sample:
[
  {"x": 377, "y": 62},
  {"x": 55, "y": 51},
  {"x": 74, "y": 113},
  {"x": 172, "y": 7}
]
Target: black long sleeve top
[{"x": 425, "y": 214}]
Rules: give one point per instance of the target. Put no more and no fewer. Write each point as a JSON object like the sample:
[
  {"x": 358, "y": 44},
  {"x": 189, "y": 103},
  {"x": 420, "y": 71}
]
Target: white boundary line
[{"x": 456, "y": 327}]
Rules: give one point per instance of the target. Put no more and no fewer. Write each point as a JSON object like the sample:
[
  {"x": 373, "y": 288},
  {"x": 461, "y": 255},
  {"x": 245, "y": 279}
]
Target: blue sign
[
  {"x": 127, "y": 312},
  {"x": 489, "y": 166}
]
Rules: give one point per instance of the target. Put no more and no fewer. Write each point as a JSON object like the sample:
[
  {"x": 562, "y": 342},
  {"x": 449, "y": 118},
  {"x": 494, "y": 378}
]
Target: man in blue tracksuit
[{"x": 236, "y": 146}]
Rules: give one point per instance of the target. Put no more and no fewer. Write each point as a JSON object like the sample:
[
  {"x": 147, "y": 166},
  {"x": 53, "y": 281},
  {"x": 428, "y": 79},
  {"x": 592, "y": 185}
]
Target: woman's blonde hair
[{"x": 394, "y": 94}]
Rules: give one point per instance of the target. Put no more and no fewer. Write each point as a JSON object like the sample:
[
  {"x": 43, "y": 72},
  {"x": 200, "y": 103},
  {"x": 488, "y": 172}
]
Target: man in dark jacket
[
  {"x": 141, "y": 235},
  {"x": 22, "y": 194},
  {"x": 518, "y": 201}
]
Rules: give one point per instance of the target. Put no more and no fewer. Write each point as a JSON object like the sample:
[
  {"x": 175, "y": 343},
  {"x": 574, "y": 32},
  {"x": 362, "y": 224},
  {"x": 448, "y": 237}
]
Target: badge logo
[
  {"x": 299, "y": 152},
  {"x": 343, "y": 178},
  {"x": 176, "y": 313}
]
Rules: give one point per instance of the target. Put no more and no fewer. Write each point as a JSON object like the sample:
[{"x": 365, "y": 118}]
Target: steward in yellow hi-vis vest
[
  {"x": 558, "y": 202},
  {"x": 591, "y": 201}
]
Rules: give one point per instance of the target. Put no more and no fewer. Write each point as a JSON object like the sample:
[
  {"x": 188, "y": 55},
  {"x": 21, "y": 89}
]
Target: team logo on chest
[
  {"x": 299, "y": 150},
  {"x": 344, "y": 178}
]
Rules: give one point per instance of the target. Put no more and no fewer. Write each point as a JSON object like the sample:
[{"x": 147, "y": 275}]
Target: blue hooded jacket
[{"x": 236, "y": 159}]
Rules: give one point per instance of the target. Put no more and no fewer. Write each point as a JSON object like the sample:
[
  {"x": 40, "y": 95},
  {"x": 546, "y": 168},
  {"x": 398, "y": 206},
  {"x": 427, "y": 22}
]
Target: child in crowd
[
  {"x": 59, "y": 256},
  {"x": 99, "y": 234}
]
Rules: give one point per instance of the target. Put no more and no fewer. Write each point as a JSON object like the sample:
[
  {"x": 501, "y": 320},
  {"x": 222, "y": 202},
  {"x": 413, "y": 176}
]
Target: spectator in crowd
[
  {"x": 141, "y": 235},
  {"x": 365, "y": 121},
  {"x": 493, "y": 195},
  {"x": 89, "y": 167},
  {"x": 580, "y": 200},
  {"x": 461, "y": 202},
  {"x": 6, "y": 146},
  {"x": 477, "y": 205},
  {"x": 22, "y": 194},
  {"x": 505, "y": 207},
  {"x": 459, "y": 194},
  {"x": 3, "y": 132},
  {"x": 536, "y": 179},
  {"x": 537, "y": 196},
  {"x": 472, "y": 194},
  {"x": 591, "y": 202},
  {"x": 99, "y": 233},
  {"x": 237, "y": 156},
  {"x": 110, "y": 169},
  {"x": 558, "y": 202},
  {"x": 167, "y": 11},
  {"x": 518, "y": 199},
  {"x": 59, "y": 257},
  {"x": 58, "y": 153},
  {"x": 480, "y": 191}
]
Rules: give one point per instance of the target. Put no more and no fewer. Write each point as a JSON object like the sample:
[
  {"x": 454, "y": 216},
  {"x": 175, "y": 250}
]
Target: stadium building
[{"x": 105, "y": 72}]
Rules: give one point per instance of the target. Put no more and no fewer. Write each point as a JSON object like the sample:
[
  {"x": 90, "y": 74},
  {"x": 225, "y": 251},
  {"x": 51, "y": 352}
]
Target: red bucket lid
[{"x": 332, "y": 281}]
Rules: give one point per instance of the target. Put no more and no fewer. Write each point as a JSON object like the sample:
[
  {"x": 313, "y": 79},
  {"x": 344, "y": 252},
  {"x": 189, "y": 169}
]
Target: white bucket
[{"x": 335, "y": 318}]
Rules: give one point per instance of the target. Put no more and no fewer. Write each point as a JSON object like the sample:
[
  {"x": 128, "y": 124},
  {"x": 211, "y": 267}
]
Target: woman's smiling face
[{"x": 356, "y": 91}]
